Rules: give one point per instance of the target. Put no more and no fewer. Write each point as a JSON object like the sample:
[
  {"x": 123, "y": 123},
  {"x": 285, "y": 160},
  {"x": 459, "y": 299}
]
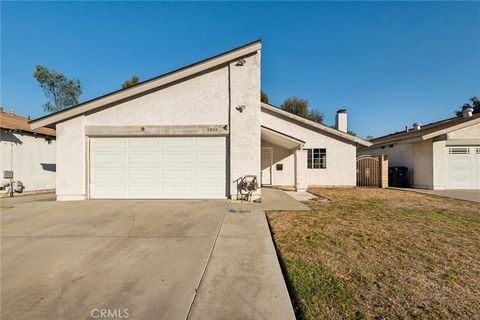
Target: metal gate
[{"x": 368, "y": 171}]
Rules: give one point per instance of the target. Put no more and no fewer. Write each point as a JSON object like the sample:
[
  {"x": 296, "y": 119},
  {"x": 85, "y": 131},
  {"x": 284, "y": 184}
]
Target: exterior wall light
[
  {"x": 241, "y": 107},
  {"x": 241, "y": 62}
]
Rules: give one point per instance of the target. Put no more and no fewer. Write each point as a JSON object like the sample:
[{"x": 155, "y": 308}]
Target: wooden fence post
[{"x": 383, "y": 162}]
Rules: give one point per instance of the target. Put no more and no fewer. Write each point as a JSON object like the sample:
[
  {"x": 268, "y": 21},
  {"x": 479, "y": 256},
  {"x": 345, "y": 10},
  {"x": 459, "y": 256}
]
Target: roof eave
[{"x": 317, "y": 125}]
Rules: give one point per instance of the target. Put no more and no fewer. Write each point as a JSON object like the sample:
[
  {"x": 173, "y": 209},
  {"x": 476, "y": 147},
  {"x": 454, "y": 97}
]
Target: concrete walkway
[
  {"x": 243, "y": 279},
  {"x": 272, "y": 199},
  {"x": 469, "y": 195}
]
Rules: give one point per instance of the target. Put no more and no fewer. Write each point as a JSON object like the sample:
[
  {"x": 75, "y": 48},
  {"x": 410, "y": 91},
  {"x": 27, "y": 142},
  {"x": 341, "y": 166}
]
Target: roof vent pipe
[
  {"x": 417, "y": 126},
  {"x": 467, "y": 112}
]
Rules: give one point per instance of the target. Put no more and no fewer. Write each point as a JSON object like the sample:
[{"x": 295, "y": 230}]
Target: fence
[{"x": 372, "y": 171}]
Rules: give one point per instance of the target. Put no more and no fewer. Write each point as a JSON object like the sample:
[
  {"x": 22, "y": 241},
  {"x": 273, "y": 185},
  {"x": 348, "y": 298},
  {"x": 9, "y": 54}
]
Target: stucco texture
[
  {"x": 30, "y": 157},
  {"x": 341, "y": 154}
]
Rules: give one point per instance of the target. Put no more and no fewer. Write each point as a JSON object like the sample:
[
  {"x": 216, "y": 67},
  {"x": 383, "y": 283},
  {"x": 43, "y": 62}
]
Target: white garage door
[
  {"x": 158, "y": 168},
  {"x": 463, "y": 167}
]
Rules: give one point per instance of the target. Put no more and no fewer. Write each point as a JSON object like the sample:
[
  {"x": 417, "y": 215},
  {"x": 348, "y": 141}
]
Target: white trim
[{"x": 452, "y": 128}]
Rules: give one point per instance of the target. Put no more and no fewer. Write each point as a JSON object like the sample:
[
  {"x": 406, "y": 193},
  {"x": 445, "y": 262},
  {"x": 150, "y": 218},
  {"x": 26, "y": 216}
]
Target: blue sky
[{"x": 388, "y": 63}]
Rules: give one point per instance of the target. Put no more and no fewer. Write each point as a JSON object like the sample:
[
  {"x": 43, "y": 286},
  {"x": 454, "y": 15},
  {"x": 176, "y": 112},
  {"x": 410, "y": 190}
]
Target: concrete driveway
[
  {"x": 137, "y": 260},
  {"x": 469, "y": 195}
]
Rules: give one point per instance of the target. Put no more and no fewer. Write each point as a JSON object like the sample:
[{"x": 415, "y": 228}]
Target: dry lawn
[{"x": 382, "y": 254}]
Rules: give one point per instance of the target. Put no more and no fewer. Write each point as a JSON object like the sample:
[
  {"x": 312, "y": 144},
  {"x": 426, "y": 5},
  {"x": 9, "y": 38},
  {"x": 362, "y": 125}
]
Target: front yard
[{"x": 372, "y": 253}]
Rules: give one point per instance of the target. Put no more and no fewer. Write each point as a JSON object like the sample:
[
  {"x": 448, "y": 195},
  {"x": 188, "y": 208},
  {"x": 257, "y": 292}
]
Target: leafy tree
[
  {"x": 61, "y": 92},
  {"x": 300, "y": 108},
  {"x": 352, "y": 133},
  {"x": 296, "y": 106},
  {"x": 131, "y": 82},
  {"x": 263, "y": 96},
  {"x": 315, "y": 115},
  {"x": 475, "y": 104}
]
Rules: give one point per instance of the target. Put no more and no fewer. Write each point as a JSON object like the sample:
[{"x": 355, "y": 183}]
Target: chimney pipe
[
  {"x": 341, "y": 120},
  {"x": 467, "y": 112},
  {"x": 417, "y": 126}
]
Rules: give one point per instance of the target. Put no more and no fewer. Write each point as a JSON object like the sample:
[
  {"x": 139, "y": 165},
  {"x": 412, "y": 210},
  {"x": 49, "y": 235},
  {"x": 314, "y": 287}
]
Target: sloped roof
[
  {"x": 315, "y": 125},
  {"x": 148, "y": 85},
  {"x": 429, "y": 131},
  {"x": 15, "y": 122}
]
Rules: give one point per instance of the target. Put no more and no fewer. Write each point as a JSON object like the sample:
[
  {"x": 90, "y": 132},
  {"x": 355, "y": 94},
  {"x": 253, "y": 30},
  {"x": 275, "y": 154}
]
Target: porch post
[{"x": 301, "y": 183}]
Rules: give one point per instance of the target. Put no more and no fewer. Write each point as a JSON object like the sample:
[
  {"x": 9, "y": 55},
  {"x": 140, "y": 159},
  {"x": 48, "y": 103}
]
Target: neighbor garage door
[
  {"x": 463, "y": 167},
  {"x": 158, "y": 168}
]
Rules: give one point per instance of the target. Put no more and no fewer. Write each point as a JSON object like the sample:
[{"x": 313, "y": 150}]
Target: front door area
[{"x": 267, "y": 161}]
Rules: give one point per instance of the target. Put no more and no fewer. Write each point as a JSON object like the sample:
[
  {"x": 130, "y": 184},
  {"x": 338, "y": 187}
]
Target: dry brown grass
[{"x": 373, "y": 253}]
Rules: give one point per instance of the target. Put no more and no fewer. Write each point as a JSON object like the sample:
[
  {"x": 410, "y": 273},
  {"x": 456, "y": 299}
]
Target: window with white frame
[{"x": 317, "y": 158}]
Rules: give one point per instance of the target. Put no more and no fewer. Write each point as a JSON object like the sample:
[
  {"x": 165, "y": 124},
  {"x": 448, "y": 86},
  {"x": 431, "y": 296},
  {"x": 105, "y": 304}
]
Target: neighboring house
[
  {"x": 30, "y": 154},
  {"x": 440, "y": 155},
  {"x": 191, "y": 134}
]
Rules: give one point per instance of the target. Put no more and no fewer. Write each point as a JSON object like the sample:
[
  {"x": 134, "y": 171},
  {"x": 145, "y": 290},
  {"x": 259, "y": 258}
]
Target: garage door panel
[
  {"x": 143, "y": 158},
  {"x": 177, "y": 144},
  {"x": 177, "y": 175},
  {"x": 147, "y": 191},
  {"x": 142, "y": 144},
  {"x": 108, "y": 159},
  {"x": 463, "y": 167},
  {"x": 209, "y": 174},
  {"x": 206, "y": 190},
  {"x": 154, "y": 167},
  {"x": 177, "y": 158},
  {"x": 111, "y": 144},
  {"x": 142, "y": 174},
  {"x": 107, "y": 174},
  {"x": 108, "y": 190},
  {"x": 177, "y": 191},
  {"x": 207, "y": 158},
  {"x": 210, "y": 144}
]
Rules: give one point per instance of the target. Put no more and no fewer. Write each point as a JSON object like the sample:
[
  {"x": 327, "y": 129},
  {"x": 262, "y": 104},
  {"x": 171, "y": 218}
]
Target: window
[
  {"x": 279, "y": 167},
  {"x": 317, "y": 158}
]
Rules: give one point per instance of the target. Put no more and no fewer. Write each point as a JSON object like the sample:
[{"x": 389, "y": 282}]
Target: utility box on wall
[{"x": 7, "y": 174}]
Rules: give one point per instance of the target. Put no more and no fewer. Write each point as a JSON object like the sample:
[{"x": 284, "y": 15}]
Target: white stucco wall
[
  {"x": 341, "y": 155},
  {"x": 245, "y": 126},
  {"x": 471, "y": 132},
  {"x": 31, "y": 158},
  {"x": 422, "y": 165},
  {"x": 201, "y": 100},
  {"x": 440, "y": 165}
]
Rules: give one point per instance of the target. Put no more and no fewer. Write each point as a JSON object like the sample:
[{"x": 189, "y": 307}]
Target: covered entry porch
[{"x": 283, "y": 160}]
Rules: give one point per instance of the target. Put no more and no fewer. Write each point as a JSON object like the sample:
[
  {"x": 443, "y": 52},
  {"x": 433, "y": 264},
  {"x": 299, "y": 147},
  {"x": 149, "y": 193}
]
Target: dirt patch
[{"x": 376, "y": 253}]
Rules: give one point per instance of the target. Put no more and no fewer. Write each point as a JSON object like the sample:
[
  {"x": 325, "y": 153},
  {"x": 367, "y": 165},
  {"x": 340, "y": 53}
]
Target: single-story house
[
  {"x": 440, "y": 155},
  {"x": 192, "y": 134},
  {"x": 28, "y": 154}
]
